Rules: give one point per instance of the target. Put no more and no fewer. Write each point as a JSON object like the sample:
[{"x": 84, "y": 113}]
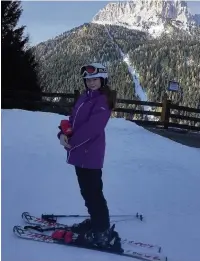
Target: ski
[
  {"x": 43, "y": 225},
  {"x": 32, "y": 220},
  {"x": 127, "y": 251}
]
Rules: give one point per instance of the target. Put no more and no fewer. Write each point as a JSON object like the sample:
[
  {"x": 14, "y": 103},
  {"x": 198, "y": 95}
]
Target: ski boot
[
  {"x": 77, "y": 228},
  {"x": 109, "y": 239},
  {"x": 82, "y": 227}
]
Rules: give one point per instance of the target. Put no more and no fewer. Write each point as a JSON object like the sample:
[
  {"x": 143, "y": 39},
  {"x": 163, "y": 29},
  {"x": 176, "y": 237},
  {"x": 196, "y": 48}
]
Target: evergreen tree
[{"x": 19, "y": 67}]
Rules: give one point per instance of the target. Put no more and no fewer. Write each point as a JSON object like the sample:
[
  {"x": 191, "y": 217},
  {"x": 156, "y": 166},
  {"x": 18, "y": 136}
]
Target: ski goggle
[{"x": 91, "y": 70}]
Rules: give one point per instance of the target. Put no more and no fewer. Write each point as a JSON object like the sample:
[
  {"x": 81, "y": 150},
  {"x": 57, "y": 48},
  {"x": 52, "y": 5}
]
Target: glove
[
  {"x": 65, "y": 127},
  {"x": 63, "y": 140}
]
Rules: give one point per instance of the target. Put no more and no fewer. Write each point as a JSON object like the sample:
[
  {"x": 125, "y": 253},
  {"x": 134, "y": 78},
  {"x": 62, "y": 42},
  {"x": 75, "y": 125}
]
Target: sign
[{"x": 173, "y": 86}]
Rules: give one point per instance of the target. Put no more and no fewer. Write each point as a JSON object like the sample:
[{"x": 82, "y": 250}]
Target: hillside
[
  {"x": 62, "y": 58},
  {"x": 176, "y": 58},
  {"x": 173, "y": 55}
]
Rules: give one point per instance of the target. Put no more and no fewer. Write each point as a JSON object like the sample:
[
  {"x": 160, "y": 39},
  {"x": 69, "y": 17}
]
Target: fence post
[
  {"x": 114, "y": 96},
  {"x": 76, "y": 95},
  {"x": 165, "y": 111}
]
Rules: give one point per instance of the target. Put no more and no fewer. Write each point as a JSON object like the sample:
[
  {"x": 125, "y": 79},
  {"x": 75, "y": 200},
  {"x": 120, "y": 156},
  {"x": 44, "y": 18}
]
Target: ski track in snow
[{"x": 138, "y": 88}]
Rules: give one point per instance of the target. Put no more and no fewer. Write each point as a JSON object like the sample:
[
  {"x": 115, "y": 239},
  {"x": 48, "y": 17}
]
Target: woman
[{"x": 86, "y": 150}]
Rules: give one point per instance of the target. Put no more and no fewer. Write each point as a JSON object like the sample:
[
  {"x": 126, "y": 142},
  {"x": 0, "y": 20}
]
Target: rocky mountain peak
[{"x": 145, "y": 15}]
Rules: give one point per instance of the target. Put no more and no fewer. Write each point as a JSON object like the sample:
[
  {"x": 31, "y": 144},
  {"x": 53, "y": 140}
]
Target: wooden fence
[
  {"x": 162, "y": 114},
  {"x": 165, "y": 116}
]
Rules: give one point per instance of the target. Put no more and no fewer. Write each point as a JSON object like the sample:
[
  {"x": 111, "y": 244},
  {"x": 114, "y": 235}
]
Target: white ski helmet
[{"x": 95, "y": 70}]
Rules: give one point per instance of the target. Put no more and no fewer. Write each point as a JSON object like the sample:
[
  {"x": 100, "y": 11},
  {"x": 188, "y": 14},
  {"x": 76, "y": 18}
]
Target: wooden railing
[{"x": 62, "y": 103}]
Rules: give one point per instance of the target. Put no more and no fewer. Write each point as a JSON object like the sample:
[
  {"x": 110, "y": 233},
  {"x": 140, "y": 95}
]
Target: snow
[
  {"x": 156, "y": 30},
  {"x": 139, "y": 91},
  {"x": 147, "y": 16},
  {"x": 143, "y": 173},
  {"x": 138, "y": 88}
]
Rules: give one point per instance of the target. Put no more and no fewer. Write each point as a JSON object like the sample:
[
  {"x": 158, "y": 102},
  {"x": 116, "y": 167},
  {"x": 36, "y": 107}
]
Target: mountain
[
  {"x": 61, "y": 58},
  {"x": 150, "y": 16},
  {"x": 174, "y": 55}
]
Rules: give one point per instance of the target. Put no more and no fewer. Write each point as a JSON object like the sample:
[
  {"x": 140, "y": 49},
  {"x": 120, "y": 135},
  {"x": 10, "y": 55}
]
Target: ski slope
[
  {"x": 143, "y": 173},
  {"x": 139, "y": 90}
]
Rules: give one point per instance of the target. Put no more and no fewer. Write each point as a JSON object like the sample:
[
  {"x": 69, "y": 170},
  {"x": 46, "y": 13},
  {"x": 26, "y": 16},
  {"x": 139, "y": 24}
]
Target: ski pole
[{"x": 53, "y": 216}]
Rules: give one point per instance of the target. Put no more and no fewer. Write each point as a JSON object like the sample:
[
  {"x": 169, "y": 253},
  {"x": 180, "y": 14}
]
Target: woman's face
[{"x": 93, "y": 83}]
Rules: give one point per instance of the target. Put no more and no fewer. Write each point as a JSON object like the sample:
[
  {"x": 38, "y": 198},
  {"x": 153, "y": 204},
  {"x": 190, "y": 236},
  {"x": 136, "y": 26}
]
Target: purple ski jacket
[{"x": 88, "y": 120}]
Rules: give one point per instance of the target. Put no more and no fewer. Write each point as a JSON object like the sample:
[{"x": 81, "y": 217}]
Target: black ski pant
[{"x": 91, "y": 187}]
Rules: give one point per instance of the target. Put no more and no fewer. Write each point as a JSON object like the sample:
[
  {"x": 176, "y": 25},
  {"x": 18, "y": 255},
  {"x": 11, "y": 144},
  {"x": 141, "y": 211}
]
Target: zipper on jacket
[
  {"x": 77, "y": 114},
  {"x": 73, "y": 127}
]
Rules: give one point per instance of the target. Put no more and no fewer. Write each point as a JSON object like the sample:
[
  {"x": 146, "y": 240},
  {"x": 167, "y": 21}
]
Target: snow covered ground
[{"x": 143, "y": 173}]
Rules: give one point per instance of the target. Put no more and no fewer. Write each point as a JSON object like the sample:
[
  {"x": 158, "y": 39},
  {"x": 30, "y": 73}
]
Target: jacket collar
[{"x": 92, "y": 94}]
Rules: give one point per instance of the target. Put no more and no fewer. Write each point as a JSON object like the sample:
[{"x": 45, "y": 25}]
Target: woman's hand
[
  {"x": 68, "y": 146},
  {"x": 64, "y": 141}
]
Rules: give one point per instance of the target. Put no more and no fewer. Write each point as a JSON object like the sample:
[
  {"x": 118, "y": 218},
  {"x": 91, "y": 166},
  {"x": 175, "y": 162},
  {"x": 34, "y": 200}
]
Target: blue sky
[{"x": 47, "y": 19}]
